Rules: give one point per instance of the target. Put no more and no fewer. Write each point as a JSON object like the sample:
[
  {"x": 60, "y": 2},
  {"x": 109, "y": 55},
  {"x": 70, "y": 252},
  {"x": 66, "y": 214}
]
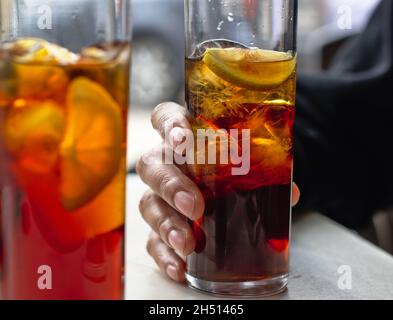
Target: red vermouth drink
[
  {"x": 62, "y": 165},
  {"x": 64, "y": 92},
  {"x": 243, "y": 237}
]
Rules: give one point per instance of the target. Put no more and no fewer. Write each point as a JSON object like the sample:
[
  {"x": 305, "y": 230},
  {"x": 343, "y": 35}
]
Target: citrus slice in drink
[
  {"x": 92, "y": 147},
  {"x": 33, "y": 133},
  {"x": 105, "y": 212},
  {"x": 253, "y": 69}
]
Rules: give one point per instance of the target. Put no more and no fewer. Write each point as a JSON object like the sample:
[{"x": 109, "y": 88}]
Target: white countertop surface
[{"x": 319, "y": 248}]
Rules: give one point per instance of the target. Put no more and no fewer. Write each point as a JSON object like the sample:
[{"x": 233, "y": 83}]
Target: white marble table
[{"x": 319, "y": 248}]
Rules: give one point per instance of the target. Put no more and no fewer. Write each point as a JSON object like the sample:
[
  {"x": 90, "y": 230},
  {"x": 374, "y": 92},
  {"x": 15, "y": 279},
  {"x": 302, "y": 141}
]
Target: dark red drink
[
  {"x": 62, "y": 170},
  {"x": 243, "y": 237}
]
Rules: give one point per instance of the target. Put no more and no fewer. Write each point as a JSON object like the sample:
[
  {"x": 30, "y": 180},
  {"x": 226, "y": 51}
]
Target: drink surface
[
  {"x": 62, "y": 160},
  {"x": 244, "y": 233}
]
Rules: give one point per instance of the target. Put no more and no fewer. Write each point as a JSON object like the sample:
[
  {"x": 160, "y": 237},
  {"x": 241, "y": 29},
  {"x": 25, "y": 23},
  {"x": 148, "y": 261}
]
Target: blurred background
[{"x": 158, "y": 54}]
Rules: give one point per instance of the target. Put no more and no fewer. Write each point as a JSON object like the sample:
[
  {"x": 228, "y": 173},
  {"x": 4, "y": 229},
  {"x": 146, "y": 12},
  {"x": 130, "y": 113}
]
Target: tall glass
[
  {"x": 64, "y": 92},
  {"x": 241, "y": 78}
]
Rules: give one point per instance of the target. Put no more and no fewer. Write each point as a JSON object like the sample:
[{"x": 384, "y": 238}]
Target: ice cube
[
  {"x": 215, "y": 43},
  {"x": 34, "y": 50},
  {"x": 278, "y": 121},
  {"x": 102, "y": 52},
  {"x": 23, "y": 47}
]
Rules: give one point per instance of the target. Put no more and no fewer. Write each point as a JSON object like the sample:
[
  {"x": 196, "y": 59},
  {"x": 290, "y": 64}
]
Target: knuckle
[
  {"x": 145, "y": 201},
  {"x": 140, "y": 166},
  {"x": 159, "y": 116},
  {"x": 161, "y": 176},
  {"x": 169, "y": 186},
  {"x": 165, "y": 225},
  {"x": 146, "y": 163},
  {"x": 178, "y": 265},
  {"x": 168, "y": 115},
  {"x": 150, "y": 245}
]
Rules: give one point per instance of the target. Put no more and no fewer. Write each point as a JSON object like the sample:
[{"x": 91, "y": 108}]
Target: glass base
[{"x": 260, "y": 288}]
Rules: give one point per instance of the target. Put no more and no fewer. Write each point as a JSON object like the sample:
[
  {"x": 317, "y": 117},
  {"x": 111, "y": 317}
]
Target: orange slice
[
  {"x": 104, "y": 213},
  {"x": 92, "y": 147},
  {"x": 33, "y": 132},
  {"x": 253, "y": 69}
]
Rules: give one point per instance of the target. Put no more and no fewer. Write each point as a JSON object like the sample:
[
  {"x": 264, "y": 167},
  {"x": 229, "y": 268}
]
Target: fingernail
[
  {"x": 184, "y": 202},
  {"x": 172, "y": 272},
  {"x": 176, "y": 136},
  {"x": 177, "y": 240}
]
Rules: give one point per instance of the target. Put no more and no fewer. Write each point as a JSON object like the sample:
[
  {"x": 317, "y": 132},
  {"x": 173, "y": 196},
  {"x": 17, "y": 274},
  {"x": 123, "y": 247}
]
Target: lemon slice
[
  {"x": 253, "y": 69},
  {"x": 31, "y": 50},
  {"x": 92, "y": 147},
  {"x": 33, "y": 133}
]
